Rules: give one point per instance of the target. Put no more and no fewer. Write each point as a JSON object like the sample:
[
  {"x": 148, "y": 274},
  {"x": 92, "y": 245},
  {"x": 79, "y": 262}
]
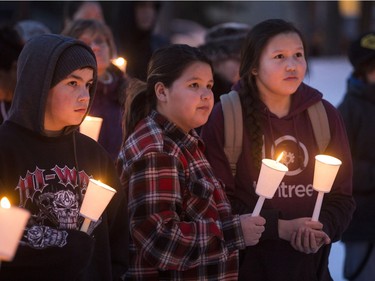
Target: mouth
[
  {"x": 291, "y": 78},
  {"x": 204, "y": 108},
  {"x": 81, "y": 110}
]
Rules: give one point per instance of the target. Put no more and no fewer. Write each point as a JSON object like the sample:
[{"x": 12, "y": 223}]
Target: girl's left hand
[{"x": 308, "y": 240}]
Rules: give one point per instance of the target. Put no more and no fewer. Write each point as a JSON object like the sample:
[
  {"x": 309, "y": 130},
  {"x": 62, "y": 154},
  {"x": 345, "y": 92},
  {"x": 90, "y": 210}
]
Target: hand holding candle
[
  {"x": 91, "y": 127},
  {"x": 271, "y": 174},
  {"x": 12, "y": 224},
  {"x": 326, "y": 168},
  {"x": 95, "y": 201}
]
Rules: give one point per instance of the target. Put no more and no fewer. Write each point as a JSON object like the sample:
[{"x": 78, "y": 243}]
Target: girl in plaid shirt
[{"x": 181, "y": 223}]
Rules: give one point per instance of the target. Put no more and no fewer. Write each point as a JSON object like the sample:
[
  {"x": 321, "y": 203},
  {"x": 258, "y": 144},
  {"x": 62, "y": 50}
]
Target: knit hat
[
  {"x": 72, "y": 58},
  {"x": 225, "y": 40},
  {"x": 362, "y": 49}
]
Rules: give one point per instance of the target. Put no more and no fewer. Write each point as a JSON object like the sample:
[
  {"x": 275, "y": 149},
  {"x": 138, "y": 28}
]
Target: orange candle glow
[
  {"x": 120, "y": 63},
  {"x": 12, "y": 224}
]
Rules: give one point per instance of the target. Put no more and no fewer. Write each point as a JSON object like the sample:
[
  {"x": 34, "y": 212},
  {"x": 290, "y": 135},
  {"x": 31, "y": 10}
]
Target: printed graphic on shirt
[
  {"x": 41, "y": 237},
  {"x": 295, "y": 154},
  {"x": 54, "y": 198},
  {"x": 295, "y": 157}
]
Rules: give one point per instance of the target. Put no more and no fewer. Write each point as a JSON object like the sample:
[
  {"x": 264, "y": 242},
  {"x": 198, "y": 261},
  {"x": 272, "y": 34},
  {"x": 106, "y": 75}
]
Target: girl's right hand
[{"x": 252, "y": 228}]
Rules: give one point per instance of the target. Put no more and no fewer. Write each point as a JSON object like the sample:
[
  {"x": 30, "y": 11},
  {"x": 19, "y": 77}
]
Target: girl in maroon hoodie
[{"x": 274, "y": 104}]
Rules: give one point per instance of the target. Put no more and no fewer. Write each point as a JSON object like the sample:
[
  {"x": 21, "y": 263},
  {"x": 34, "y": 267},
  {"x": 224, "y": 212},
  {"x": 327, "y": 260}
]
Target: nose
[
  {"x": 291, "y": 65},
  {"x": 84, "y": 95},
  {"x": 207, "y": 94},
  {"x": 94, "y": 47}
]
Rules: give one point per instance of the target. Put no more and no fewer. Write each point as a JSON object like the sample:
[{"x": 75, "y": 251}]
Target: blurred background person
[
  {"x": 30, "y": 28},
  {"x": 137, "y": 39},
  {"x": 10, "y": 47},
  {"x": 74, "y": 10},
  {"x": 110, "y": 91},
  {"x": 183, "y": 31},
  {"x": 358, "y": 111},
  {"x": 222, "y": 45}
]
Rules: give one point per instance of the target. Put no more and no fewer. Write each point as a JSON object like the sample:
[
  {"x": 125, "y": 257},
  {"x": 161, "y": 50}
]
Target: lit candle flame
[
  {"x": 280, "y": 157},
  {"x": 120, "y": 63},
  {"x": 5, "y": 203}
]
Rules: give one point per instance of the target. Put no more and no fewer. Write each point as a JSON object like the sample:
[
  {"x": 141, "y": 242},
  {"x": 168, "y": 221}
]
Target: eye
[
  {"x": 279, "y": 56},
  {"x": 194, "y": 85},
  {"x": 299, "y": 55},
  {"x": 89, "y": 86},
  {"x": 99, "y": 41},
  {"x": 209, "y": 86},
  {"x": 72, "y": 83}
]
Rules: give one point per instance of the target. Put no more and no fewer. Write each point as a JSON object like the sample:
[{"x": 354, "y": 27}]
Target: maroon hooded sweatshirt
[{"x": 274, "y": 258}]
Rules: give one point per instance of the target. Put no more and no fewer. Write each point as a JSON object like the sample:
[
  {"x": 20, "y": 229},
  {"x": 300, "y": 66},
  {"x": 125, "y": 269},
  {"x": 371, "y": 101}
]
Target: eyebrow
[
  {"x": 198, "y": 78},
  {"x": 77, "y": 77},
  {"x": 282, "y": 50}
]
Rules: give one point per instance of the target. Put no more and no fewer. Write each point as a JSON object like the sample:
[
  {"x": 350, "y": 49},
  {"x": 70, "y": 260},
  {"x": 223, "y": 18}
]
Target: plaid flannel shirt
[{"x": 181, "y": 225}]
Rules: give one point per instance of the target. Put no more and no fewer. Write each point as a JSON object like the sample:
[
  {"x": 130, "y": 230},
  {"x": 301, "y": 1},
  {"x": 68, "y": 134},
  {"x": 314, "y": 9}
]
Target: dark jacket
[
  {"x": 358, "y": 112},
  {"x": 273, "y": 257},
  {"x": 49, "y": 176}
]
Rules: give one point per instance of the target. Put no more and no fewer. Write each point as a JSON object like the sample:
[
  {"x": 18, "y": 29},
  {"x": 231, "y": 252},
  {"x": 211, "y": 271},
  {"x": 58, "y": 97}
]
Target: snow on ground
[{"x": 329, "y": 76}]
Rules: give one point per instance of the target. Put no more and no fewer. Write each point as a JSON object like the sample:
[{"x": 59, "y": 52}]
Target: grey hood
[{"x": 35, "y": 70}]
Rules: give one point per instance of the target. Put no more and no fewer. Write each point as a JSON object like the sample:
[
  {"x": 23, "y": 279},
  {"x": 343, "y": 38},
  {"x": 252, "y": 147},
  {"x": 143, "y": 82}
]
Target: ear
[
  {"x": 160, "y": 91},
  {"x": 254, "y": 71}
]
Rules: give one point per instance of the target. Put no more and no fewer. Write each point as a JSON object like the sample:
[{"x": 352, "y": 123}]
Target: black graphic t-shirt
[{"x": 52, "y": 189}]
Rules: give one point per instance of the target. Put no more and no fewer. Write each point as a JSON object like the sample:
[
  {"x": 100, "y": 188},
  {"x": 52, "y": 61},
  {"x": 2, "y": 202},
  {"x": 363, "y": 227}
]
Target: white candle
[
  {"x": 91, "y": 127},
  {"x": 258, "y": 206},
  {"x": 271, "y": 174},
  {"x": 318, "y": 206},
  {"x": 12, "y": 224},
  {"x": 326, "y": 168},
  {"x": 96, "y": 199},
  {"x": 120, "y": 63}
]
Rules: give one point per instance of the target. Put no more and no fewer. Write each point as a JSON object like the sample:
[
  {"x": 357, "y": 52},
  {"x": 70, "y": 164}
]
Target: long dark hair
[
  {"x": 166, "y": 65},
  {"x": 255, "y": 43}
]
